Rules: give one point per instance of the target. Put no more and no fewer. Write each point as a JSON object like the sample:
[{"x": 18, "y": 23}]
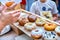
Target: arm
[
  {"x": 56, "y": 2},
  {"x": 55, "y": 17},
  {"x": 55, "y": 12}
]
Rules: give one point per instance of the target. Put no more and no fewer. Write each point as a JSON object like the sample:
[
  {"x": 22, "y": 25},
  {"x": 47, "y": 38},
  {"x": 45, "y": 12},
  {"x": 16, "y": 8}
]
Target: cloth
[
  {"x": 47, "y": 6},
  {"x": 28, "y": 4},
  {"x": 4, "y": 1},
  {"x": 5, "y": 30},
  {"x": 23, "y": 2}
]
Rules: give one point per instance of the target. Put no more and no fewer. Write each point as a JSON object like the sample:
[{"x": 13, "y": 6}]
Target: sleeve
[
  {"x": 32, "y": 9},
  {"x": 23, "y": 2},
  {"x": 55, "y": 8}
]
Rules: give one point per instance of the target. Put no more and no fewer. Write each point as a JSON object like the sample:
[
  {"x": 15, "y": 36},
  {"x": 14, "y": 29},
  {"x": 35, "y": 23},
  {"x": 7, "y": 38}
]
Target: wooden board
[{"x": 28, "y": 33}]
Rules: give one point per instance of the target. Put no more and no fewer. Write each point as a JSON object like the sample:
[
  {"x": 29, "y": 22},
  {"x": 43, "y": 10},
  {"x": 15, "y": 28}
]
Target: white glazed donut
[
  {"x": 23, "y": 15},
  {"x": 50, "y": 36},
  {"x": 40, "y": 22},
  {"x": 30, "y": 26},
  {"x": 57, "y": 30},
  {"x": 37, "y": 33}
]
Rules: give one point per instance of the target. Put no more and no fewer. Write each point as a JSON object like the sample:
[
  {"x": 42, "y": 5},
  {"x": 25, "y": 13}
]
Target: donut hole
[
  {"x": 37, "y": 31},
  {"x": 49, "y": 24}
]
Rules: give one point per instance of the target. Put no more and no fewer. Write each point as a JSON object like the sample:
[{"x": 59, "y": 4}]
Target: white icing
[
  {"x": 50, "y": 36},
  {"x": 40, "y": 31},
  {"x": 40, "y": 21},
  {"x": 30, "y": 25},
  {"x": 23, "y": 15},
  {"x": 49, "y": 39},
  {"x": 57, "y": 29}
]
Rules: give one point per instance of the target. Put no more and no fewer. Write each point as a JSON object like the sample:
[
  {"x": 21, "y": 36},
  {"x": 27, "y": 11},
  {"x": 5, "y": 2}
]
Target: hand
[
  {"x": 9, "y": 17},
  {"x": 55, "y": 18},
  {"x": 58, "y": 21},
  {"x": 12, "y": 6}
]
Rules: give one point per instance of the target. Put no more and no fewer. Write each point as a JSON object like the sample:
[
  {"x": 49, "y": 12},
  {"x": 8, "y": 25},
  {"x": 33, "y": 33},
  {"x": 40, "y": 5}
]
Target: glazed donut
[
  {"x": 8, "y": 4},
  {"x": 23, "y": 21},
  {"x": 50, "y": 36},
  {"x": 57, "y": 30},
  {"x": 50, "y": 26},
  {"x": 32, "y": 18},
  {"x": 30, "y": 26},
  {"x": 24, "y": 15},
  {"x": 46, "y": 14},
  {"x": 37, "y": 33},
  {"x": 40, "y": 22}
]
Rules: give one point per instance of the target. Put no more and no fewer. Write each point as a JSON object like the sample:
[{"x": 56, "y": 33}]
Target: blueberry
[
  {"x": 45, "y": 32},
  {"x": 52, "y": 33},
  {"x": 53, "y": 36},
  {"x": 47, "y": 36}
]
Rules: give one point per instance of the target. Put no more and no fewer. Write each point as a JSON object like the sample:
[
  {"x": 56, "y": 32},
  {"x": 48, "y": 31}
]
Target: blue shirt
[{"x": 28, "y": 4}]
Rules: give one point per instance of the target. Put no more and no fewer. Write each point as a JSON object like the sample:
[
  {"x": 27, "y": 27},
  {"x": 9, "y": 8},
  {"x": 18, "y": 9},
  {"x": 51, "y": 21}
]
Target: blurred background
[{"x": 26, "y": 4}]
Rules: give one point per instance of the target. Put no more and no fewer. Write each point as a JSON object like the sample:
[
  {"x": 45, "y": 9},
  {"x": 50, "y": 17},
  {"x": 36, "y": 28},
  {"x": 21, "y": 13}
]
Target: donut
[
  {"x": 8, "y": 4},
  {"x": 50, "y": 36},
  {"x": 47, "y": 14},
  {"x": 32, "y": 18},
  {"x": 37, "y": 33},
  {"x": 30, "y": 26},
  {"x": 23, "y": 21},
  {"x": 57, "y": 30},
  {"x": 50, "y": 26},
  {"x": 40, "y": 22},
  {"x": 24, "y": 15}
]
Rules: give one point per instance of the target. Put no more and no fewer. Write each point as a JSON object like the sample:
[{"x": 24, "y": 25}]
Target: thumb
[{"x": 4, "y": 10}]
